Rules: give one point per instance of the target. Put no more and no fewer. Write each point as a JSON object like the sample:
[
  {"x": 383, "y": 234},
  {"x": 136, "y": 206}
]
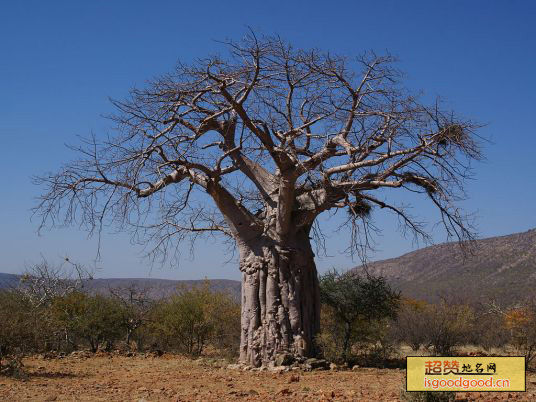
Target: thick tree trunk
[{"x": 280, "y": 300}]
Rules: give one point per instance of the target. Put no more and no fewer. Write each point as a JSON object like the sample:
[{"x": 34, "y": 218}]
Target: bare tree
[
  {"x": 256, "y": 146},
  {"x": 136, "y": 305},
  {"x": 42, "y": 282}
]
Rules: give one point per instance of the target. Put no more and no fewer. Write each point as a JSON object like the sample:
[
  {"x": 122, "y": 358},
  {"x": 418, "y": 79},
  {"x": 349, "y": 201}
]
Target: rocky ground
[{"x": 81, "y": 377}]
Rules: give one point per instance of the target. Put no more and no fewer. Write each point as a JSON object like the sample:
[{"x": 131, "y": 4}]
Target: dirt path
[{"x": 171, "y": 378}]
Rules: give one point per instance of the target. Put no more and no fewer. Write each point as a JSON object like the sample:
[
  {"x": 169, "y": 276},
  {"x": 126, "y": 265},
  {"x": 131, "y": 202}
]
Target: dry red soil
[{"x": 172, "y": 378}]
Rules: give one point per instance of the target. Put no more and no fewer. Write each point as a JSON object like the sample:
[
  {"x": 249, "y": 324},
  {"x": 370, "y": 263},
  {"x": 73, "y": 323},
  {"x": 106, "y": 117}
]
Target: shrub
[
  {"x": 33, "y": 320},
  {"x": 135, "y": 306},
  {"x": 439, "y": 327},
  {"x": 224, "y": 314},
  {"x": 22, "y": 330},
  {"x": 409, "y": 326},
  {"x": 490, "y": 330},
  {"x": 195, "y": 317},
  {"x": 354, "y": 308},
  {"x": 14, "y": 331},
  {"x": 94, "y": 319},
  {"x": 448, "y": 326},
  {"x": 521, "y": 322}
]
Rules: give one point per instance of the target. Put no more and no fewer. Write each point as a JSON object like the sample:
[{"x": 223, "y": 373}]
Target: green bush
[
  {"x": 95, "y": 319},
  {"x": 24, "y": 329},
  {"x": 189, "y": 321},
  {"x": 355, "y": 313},
  {"x": 15, "y": 331},
  {"x": 224, "y": 314}
]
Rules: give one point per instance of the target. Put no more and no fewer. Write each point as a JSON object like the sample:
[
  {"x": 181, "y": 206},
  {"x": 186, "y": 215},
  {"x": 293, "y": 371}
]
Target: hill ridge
[{"x": 501, "y": 267}]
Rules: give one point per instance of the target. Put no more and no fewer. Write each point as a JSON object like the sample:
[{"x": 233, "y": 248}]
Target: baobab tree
[{"x": 255, "y": 146}]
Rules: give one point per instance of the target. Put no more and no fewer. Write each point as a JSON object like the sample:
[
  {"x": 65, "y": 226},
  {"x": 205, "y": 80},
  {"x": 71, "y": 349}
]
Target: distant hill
[
  {"x": 156, "y": 288},
  {"x": 8, "y": 280},
  {"x": 503, "y": 268}
]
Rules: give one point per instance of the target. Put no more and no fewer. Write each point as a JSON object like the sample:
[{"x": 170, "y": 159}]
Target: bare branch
[{"x": 258, "y": 144}]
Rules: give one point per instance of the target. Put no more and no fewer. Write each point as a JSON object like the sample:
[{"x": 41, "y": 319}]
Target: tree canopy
[{"x": 274, "y": 136}]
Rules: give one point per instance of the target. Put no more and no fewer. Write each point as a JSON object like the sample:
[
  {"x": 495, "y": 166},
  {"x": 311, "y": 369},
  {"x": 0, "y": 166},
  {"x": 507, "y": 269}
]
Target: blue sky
[{"x": 61, "y": 60}]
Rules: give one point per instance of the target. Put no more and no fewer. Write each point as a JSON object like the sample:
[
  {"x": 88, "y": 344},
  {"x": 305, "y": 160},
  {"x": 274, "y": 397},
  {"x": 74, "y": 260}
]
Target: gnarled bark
[{"x": 280, "y": 300}]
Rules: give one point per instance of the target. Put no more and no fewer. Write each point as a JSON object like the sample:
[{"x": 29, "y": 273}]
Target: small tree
[
  {"x": 354, "y": 302},
  {"x": 135, "y": 310}
]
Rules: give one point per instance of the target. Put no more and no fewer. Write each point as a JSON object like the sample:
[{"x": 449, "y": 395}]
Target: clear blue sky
[{"x": 61, "y": 60}]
